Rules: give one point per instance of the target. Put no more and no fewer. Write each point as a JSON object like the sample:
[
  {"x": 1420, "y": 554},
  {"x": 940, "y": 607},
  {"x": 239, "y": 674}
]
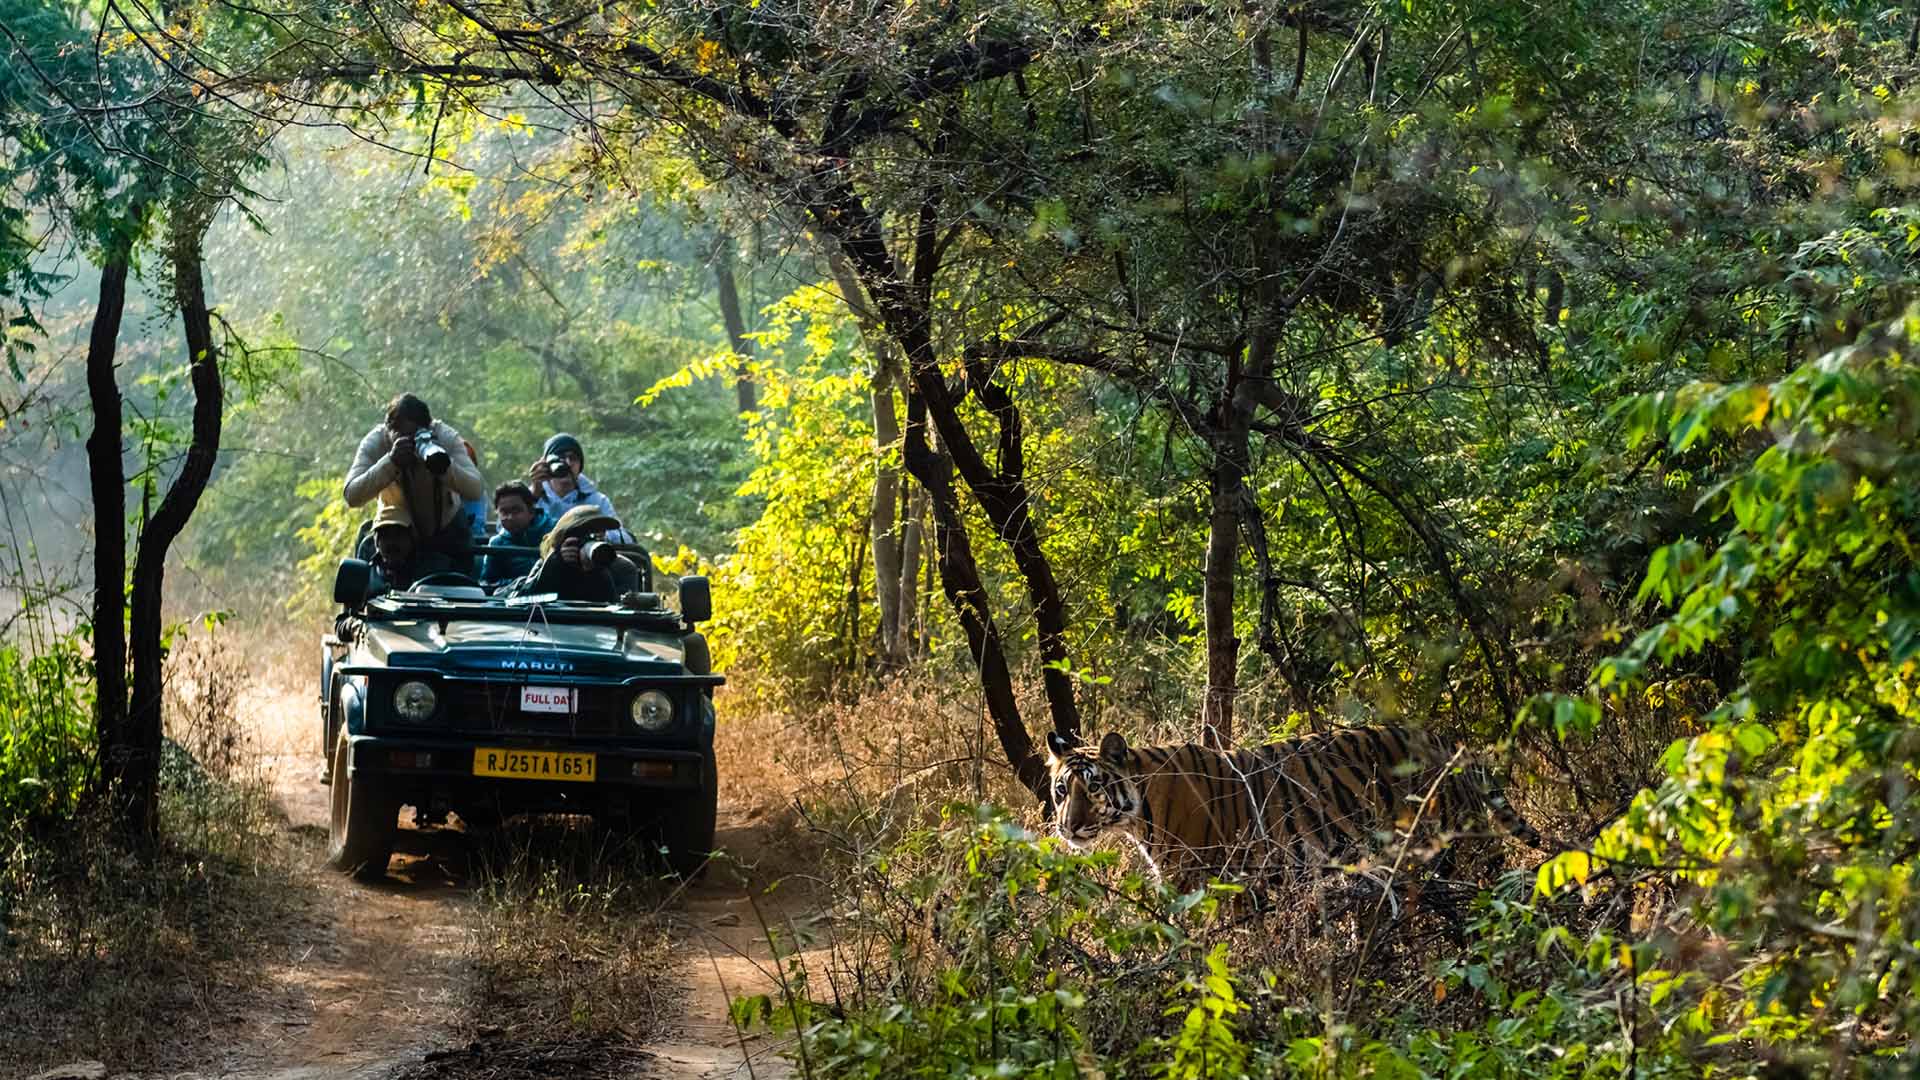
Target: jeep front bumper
[{"x": 425, "y": 761}]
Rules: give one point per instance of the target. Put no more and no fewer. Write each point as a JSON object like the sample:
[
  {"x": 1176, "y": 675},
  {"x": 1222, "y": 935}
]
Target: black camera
[
  {"x": 431, "y": 453},
  {"x": 557, "y": 466},
  {"x": 597, "y": 553}
]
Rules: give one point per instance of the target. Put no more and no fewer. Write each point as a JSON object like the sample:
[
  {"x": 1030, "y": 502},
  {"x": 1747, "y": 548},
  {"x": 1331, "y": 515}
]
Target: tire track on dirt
[{"x": 374, "y": 979}]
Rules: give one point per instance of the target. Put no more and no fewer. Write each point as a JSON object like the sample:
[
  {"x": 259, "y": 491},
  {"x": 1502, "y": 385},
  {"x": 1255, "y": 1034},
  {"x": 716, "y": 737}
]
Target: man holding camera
[
  {"x": 420, "y": 471},
  {"x": 577, "y": 563},
  {"x": 560, "y": 485}
]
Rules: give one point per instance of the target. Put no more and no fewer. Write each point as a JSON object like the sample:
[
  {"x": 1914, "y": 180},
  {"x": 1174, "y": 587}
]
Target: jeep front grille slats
[{"x": 494, "y": 708}]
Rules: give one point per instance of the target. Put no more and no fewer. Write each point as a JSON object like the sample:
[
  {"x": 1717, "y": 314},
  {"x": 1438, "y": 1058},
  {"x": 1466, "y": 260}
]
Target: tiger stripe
[{"x": 1277, "y": 809}]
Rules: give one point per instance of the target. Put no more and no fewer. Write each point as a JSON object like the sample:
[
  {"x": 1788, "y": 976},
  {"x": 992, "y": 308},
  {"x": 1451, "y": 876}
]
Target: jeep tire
[
  {"x": 365, "y": 817},
  {"x": 684, "y": 825}
]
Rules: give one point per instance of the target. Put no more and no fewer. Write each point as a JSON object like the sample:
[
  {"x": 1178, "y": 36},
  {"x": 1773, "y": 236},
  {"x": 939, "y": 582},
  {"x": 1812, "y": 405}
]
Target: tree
[{"x": 107, "y": 139}]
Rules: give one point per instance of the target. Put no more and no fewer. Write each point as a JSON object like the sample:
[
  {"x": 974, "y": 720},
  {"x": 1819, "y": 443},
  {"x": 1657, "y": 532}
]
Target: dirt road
[{"x": 375, "y": 981}]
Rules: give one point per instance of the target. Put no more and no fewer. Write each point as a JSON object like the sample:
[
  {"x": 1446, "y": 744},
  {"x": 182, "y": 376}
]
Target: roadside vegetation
[
  {"x": 570, "y": 939},
  {"x": 1540, "y": 374},
  {"x": 132, "y": 956}
]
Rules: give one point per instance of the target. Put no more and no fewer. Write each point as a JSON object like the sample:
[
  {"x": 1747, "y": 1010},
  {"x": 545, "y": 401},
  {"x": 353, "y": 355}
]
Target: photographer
[
  {"x": 560, "y": 484},
  {"x": 418, "y": 469},
  {"x": 571, "y": 567}
]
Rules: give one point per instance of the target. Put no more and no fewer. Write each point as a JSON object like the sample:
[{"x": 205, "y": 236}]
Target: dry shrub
[
  {"x": 569, "y": 935},
  {"x": 870, "y": 780},
  {"x": 119, "y": 954},
  {"x": 220, "y": 792}
]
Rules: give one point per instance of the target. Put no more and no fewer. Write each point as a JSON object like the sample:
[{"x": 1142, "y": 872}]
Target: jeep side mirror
[
  {"x": 696, "y": 599},
  {"x": 351, "y": 581}
]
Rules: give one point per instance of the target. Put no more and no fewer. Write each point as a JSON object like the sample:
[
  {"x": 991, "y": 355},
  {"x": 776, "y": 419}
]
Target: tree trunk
[
  {"x": 913, "y": 625},
  {"x": 856, "y": 571},
  {"x": 108, "y": 474},
  {"x": 745, "y": 393},
  {"x": 886, "y": 535},
  {"x": 140, "y": 800},
  {"x": 887, "y": 540},
  {"x": 960, "y": 577},
  {"x": 905, "y": 310},
  {"x": 1217, "y": 587}
]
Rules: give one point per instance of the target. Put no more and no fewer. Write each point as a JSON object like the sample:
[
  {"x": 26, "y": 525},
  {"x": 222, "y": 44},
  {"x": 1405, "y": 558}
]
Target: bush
[
  {"x": 46, "y": 731},
  {"x": 104, "y": 946},
  {"x": 1792, "y": 813},
  {"x": 982, "y": 949}
]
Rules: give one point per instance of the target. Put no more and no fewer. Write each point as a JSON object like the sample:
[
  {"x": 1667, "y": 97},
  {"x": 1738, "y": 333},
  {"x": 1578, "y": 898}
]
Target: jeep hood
[{"x": 512, "y": 649}]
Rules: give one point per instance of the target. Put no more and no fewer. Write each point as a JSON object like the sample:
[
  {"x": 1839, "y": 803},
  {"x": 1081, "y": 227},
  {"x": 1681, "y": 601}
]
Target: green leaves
[{"x": 1786, "y": 806}]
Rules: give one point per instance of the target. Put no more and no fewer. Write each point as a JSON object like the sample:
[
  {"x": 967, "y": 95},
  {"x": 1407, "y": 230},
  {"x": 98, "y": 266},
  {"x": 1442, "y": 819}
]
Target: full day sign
[{"x": 547, "y": 699}]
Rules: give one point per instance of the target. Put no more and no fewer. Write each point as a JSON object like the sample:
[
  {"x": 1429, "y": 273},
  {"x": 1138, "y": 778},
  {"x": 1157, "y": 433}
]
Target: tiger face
[{"x": 1091, "y": 794}]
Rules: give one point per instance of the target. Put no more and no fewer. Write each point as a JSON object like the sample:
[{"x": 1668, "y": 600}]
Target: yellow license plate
[{"x": 533, "y": 764}]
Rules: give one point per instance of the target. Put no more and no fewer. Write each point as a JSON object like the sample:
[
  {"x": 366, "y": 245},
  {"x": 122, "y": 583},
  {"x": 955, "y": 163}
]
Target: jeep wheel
[
  {"x": 365, "y": 817},
  {"x": 685, "y": 826}
]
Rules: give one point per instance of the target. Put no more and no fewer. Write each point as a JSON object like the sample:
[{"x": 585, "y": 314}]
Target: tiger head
[{"x": 1091, "y": 793}]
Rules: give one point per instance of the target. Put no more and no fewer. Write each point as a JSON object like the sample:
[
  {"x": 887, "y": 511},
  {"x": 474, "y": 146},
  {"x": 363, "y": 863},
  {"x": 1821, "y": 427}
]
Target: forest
[{"x": 1529, "y": 373}]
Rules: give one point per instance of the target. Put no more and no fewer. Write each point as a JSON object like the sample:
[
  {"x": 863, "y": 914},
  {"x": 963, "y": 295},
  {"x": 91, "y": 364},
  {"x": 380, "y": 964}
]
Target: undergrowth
[
  {"x": 568, "y": 936},
  {"x": 976, "y": 947},
  {"x": 109, "y": 952}
]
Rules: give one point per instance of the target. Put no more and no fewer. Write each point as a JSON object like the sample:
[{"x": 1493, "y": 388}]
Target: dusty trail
[{"x": 374, "y": 976}]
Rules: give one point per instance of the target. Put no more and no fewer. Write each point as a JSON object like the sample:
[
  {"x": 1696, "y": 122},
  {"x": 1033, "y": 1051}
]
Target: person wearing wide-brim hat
[{"x": 562, "y": 570}]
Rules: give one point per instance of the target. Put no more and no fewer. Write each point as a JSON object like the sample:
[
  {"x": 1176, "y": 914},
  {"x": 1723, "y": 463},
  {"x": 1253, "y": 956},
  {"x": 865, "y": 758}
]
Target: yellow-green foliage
[{"x": 787, "y": 600}]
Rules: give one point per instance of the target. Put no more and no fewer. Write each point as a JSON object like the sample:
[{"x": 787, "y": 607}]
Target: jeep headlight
[
  {"x": 652, "y": 710},
  {"x": 414, "y": 700}
]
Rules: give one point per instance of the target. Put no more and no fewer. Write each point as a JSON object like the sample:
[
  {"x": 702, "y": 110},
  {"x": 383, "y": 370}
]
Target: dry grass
[
  {"x": 855, "y": 779},
  {"x": 569, "y": 937},
  {"x": 912, "y": 744},
  {"x": 128, "y": 957}
]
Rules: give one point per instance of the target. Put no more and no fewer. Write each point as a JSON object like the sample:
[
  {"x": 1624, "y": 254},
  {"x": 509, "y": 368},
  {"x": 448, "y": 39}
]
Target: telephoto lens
[
  {"x": 431, "y": 452},
  {"x": 557, "y": 466},
  {"x": 597, "y": 553}
]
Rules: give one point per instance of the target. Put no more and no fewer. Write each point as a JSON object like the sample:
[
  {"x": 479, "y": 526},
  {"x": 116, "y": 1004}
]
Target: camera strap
[{"x": 424, "y": 528}]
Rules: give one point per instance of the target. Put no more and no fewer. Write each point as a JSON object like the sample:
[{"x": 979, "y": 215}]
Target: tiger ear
[
  {"x": 1057, "y": 745},
  {"x": 1114, "y": 747}
]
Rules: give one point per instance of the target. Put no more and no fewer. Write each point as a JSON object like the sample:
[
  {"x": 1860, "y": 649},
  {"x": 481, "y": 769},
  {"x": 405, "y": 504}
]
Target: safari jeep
[{"x": 444, "y": 698}]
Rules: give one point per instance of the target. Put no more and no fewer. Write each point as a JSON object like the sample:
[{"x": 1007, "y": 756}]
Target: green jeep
[{"x": 445, "y": 698}]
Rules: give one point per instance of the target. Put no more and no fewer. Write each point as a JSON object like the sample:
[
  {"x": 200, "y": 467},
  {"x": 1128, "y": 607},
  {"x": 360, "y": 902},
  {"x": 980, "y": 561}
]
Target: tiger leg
[{"x": 1439, "y": 895}]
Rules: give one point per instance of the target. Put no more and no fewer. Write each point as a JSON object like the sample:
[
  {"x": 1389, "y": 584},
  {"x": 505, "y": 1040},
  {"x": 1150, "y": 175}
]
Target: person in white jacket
[
  {"x": 424, "y": 484},
  {"x": 560, "y": 490}
]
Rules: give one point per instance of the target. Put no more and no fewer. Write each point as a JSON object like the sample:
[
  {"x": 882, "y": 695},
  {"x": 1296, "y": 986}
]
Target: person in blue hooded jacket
[
  {"x": 522, "y": 524},
  {"x": 560, "y": 483}
]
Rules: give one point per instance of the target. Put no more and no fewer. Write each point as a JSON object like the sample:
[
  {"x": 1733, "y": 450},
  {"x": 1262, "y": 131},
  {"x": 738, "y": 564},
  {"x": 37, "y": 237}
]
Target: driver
[
  {"x": 564, "y": 570},
  {"x": 397, "y": 559},
  {"x": 421, "y": 481}
]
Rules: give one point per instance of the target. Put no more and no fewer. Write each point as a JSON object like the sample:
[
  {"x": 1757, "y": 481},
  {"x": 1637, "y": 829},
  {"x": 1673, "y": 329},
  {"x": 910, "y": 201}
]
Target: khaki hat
[
  {"x": 580, "y": 519},
  {"x": 392, "y": 514}
]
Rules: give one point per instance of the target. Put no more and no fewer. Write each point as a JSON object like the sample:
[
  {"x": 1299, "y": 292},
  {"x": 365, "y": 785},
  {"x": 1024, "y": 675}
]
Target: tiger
[{"x": 1272, "y": 813}]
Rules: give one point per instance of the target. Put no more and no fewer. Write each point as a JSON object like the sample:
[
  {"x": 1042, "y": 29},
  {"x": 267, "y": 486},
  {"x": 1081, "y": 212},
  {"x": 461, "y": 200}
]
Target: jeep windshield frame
[
  {"x": 641, "y": 558},
  {"x": 430, "y": 607}
]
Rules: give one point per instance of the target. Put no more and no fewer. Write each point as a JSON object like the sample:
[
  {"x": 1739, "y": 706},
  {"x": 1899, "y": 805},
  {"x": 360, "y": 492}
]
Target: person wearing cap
[
  {"x": 563, "y": 571},
  {"x": 561, "y": 490},
  {"x": 397, "y": 559},
  {"x": 392, "y": 467}
]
